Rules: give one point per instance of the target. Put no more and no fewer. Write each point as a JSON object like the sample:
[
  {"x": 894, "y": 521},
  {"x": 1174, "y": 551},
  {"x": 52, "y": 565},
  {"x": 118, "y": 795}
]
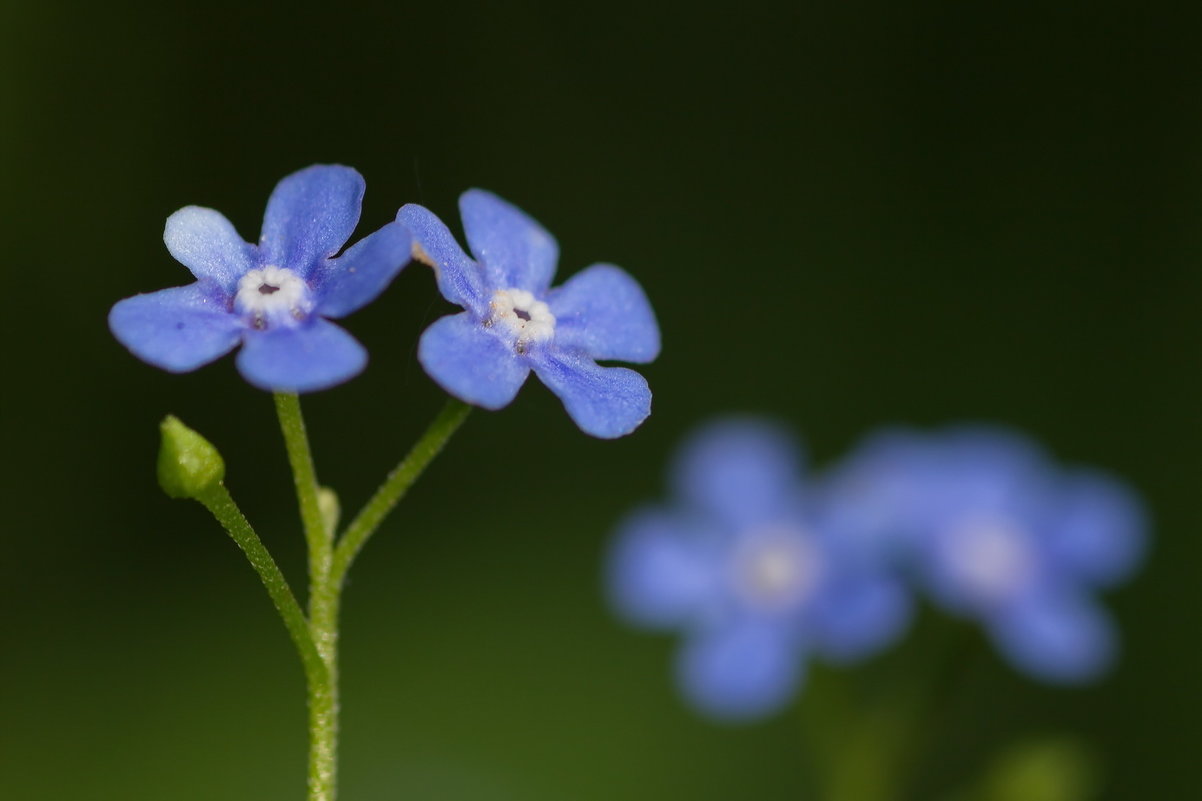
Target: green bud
[
  {"x": 331, "y": 510},
  {"x": 1044, "y": 769},
  {"x": 188, "y": 463}
]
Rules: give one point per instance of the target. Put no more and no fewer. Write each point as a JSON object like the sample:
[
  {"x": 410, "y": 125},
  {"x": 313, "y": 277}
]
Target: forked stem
[
  {"x": 323, "y": 605},
  {"x": 328, "y": 565}
]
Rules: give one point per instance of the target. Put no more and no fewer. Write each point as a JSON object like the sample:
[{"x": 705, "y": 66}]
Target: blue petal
[
  {"x": 358, "y": 276},
  {"x": 740, "y": 672},
  {"x": 988, "y": 469},
  {"x": 516, "y": 251},
  {"x": 459, "y": 278},
  {"x": 660, "y": 572},
  {"x": 1062, "y": 639},
  {"x": 744, "y": 472},
  {"x": 606, "y": 402},
  {"x": 603, "y": 311},
  {"x": 177, "y": 329},
  {"x": 1098, "y": 533},
  {"x": 872, "y": 499},
  {"x": 310, "y": 215},
  {"x": 470, "y": 363},
  {"x": 858, "y": 615},
  {"x": 206, "y": 243},
  {"x": 316, "y": 355}
]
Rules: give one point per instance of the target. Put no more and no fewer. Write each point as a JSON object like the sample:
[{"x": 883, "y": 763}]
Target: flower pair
[
  {"x": 761, "y": 568},
  {"x": 277, "y": 300}
]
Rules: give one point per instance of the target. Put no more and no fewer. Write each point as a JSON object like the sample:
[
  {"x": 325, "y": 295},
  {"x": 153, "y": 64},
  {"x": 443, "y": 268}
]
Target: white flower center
[
  {"x": 776, "y": 569},
  {"x": 273, "y": 296},
  {"x": 522, "y": 316},
  {"x": 991, "y": 556}
]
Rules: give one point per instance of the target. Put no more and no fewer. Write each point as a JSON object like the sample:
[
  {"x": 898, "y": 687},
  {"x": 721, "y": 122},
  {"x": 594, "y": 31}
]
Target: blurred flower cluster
[{"x": 761, "y": 566}]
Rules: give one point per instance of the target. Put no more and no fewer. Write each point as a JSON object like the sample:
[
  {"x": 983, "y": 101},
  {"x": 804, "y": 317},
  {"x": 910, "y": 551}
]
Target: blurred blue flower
[
  {"x": 993, "y": 531},
  {"x": 515, "y": 323},
  {"x": 272, "y": 297},
  {"x": 743, "y": 565}
]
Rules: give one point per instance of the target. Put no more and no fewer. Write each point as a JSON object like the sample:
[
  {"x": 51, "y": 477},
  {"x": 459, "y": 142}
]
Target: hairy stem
[
  {"x": 323, "y": 604},
  {"x": 218, "y": 501}
]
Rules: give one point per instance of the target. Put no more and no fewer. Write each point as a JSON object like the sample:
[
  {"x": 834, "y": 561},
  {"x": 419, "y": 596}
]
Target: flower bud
[
  {"x": 1044, "y": 769},
  {"x": 331, "y": 509},
  {"x": 188, "y": 463}
]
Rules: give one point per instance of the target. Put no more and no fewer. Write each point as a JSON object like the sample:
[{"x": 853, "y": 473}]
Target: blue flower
[
  {"x": 995, "y": 532},
  {"x": 514, "y": 322},
  {"x": 743, "y": 565},
  {"x": 273, "y": 297}
]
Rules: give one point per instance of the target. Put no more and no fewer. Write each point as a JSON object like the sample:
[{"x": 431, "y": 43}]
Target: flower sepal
[{"x": 189, "y": 465}]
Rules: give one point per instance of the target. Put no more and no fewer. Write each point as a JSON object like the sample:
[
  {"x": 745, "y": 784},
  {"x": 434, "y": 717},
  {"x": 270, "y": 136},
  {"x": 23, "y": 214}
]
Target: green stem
[
  {"x": 396, "y": 485},
  {"x": 287, "y": 407},
  {"x": 869, "y": 765},
  {"x": 323, "y": 727},
  {"x": 871, "y": 735},
  {"x": 218, "y": 501},
  {"x": 328, "y": 566},
  {"x": 323, "y": 604}
]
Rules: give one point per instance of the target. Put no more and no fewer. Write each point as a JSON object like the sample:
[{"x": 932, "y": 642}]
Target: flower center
[
  {"x": 991, "y": 557},
  {"x": 520, "y": 315},
  {"x": 273, "y": 296},
  {"x": 775, "y": 569}
]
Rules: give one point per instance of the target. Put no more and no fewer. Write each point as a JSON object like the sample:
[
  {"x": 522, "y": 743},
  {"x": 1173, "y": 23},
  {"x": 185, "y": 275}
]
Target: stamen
[
  {"x": 270, "y": 296},
  {"x": 522, "y": 316},
  {"x": 991, "y": 557},
  {"x": 776, "y": 569}
]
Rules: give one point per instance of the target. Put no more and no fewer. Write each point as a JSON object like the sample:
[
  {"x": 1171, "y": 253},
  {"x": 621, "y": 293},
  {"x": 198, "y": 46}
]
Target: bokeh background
[{"x": 846, "y": 215}]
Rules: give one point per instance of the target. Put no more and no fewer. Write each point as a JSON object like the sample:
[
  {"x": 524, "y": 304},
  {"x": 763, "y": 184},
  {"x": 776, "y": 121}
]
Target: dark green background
[{"x": 846, "y": 214}]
